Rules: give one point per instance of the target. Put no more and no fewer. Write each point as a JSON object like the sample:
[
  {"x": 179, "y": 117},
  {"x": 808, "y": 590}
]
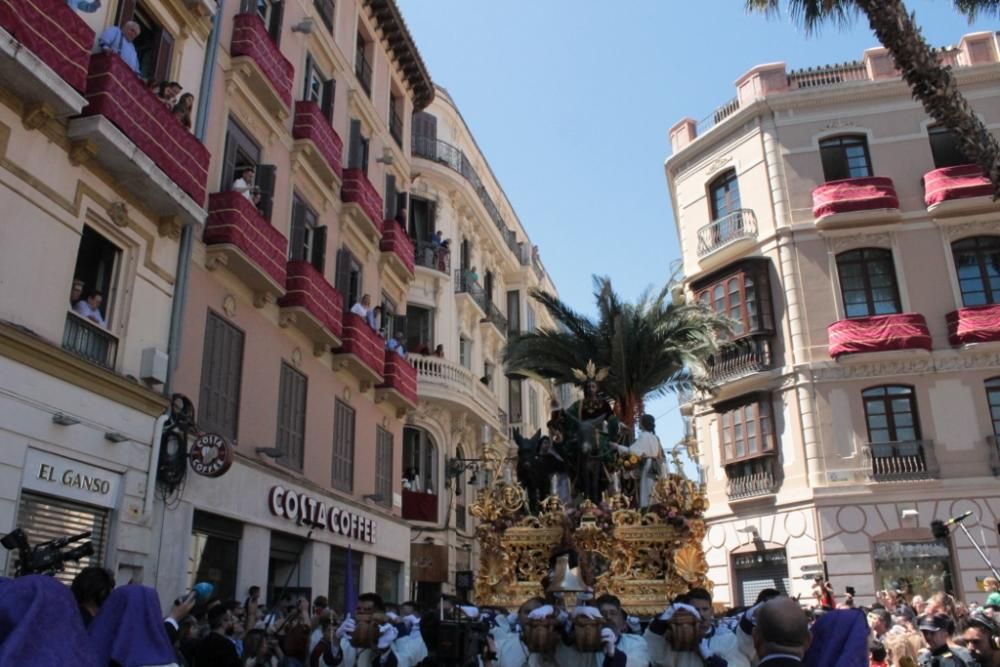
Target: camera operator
[
  {"x": 618, "y": 649},
  {"x": 91, "y": 587}
]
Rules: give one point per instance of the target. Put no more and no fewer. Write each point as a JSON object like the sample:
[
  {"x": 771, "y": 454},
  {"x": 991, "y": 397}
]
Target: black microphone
[{"x": 958, "y": 519}]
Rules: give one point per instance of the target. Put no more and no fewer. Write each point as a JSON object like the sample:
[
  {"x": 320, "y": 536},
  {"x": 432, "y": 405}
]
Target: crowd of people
[{"x": 95, "y": 623}]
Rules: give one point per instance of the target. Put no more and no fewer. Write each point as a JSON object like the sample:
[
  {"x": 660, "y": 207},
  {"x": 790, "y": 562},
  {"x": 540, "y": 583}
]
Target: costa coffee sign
[
  {"x": 306, "y": 510},
  {"x": 211, "y": 455}
]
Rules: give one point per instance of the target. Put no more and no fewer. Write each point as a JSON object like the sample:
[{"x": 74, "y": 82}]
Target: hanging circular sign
[{"x": 211, "y": 455}]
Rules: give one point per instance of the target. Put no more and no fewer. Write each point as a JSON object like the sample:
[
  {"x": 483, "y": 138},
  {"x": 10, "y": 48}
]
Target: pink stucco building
[{"x": 856, "y": 253}]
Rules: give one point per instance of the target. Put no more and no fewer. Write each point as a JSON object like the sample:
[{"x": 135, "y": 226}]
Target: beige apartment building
[
  {"x": 856, "y": 253},
  {"x": 471, "y": 292}
]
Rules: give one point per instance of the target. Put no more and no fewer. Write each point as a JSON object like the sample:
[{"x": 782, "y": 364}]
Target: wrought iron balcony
[
  {"x": 444, "y": 153},
  {"x": 751, "y": 479},
  {"x": 900, "y": 461},
  {"x": 738, "y": 226},
  {"x": 465, "y": 284},
  {"x": 431, "y": 256},
  {"x": 740, "y": 358},
  {"x": 90, "y": 341},
  {"x": 496, "y": 318}
]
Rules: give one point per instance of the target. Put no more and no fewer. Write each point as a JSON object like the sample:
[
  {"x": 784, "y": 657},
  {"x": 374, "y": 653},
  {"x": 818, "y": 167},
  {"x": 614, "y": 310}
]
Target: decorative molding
[
  {"x": 261, "y": 299},
  {"x": 839, "y": 244},
  {"x": 954, "y": 232},
  {"x": 839, "y": 123},
  {"x": 286, "y": 319},
  {"x": 169, "y": 227},
  {"x": 718, "y": 163},
  {"x": 296, "y": 357},
  {"x": 118, "y": 213},
  {"x": 889, "y": 368},
  {"x": 229, "y": 305},
  {"x": 37, "y": 115},
  {"x": 82, "y": 152}
]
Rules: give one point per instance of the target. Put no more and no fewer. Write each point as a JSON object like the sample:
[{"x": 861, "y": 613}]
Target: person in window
[
  {"x": 397, "y": 344},
  {"x": 167, "y": 92},
  {"x": 84, "y": 5},
  {"x": 411, "y": 479},
  {"x": 374, "y": 318},
  {"x": 90, "y": 308},
  {"x": 439, "y": 351},
  {"x": 244, "y": 183},
  {"x": 120, "y": 42},
  {"x": 471, "y": 277},
  {"x": 76, "y": 292},
  {"x": 442, "y": 255},
  {"x": 360, "y": 308},
  {"x": 182, "y": 112}
]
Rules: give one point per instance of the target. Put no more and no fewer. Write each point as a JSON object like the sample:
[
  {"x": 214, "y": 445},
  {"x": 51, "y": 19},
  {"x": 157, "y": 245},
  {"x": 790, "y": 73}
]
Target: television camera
[{"x": 47, "y": 557}]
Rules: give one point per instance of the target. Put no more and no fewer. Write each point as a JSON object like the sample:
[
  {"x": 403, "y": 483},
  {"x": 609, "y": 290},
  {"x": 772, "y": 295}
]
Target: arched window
[
  {"x": 868, "y": 282},
  {"x": 977, "y": 262},
  {"x": 891, "y": 414},
  {"x": 845, "y": 156},
  {"x": 993, "y": 398},
  {"x": 420, "y": 456},
  {"x": 724, "y": 194}
]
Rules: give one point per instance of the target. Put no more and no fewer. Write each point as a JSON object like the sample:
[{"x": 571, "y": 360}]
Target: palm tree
[
  {"x": 650, "y": 347},
  {"x": 931, "y": 82}
]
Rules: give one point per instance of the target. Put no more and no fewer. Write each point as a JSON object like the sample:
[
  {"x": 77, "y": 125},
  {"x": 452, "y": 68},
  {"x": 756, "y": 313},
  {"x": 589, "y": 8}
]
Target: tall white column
[{"x": 255, "y": 551}]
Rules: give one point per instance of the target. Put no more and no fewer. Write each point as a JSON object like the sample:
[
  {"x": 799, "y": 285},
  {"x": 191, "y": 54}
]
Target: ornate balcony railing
[
  {"x": 496, "y": 318},
  {"x": 853, "y": 196},
  {"x": 115, "y": 92},
  {"x": 310, "y": 124},
  {"x": 90, "y": 341},
  {"x": 739, "y": 358},
  {"x": 432, "y": 256},
  {"x": 751, "y": 480},
  {"x": 357, "y": 189},
  {"x": 881, "y": 333},
  {"x": 454, "y": 382},
  {"x": 54, "y": 32},
  {"x": 434, "y": 149},
  {"x": 974, "y": 324},
  {"x": 741, "y": 224},
  {"x": 465, "y": 284},
  {"x": 830, "y": 75},
  {"x": 900, "y": 461},
  {"x": 251, "y": 39}
]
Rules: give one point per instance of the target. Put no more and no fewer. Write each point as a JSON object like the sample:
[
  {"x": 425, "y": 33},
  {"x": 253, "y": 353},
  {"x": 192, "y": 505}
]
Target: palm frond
[{"x": 974, "y": 8}]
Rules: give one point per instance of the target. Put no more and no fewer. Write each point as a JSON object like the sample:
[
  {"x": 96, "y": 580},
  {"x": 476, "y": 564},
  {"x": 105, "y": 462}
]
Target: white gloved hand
[
  {"x": 703, "y": 649},
  {"x": 633, "y": 624},
  {"x": 412, "y": 621},
  {"x": 608, "y": 641},
  {"x": 589, "y": 612},
  {"x": 512, "y": 619},
  {"x": 676, "y": 607},
  {"x": 387, "y": 634},
  {"x": 346, "y": 628},
  {"x": 472, "y": 613},
  {"x": 392, "y": 616},
  {"x": 544, "y": 611}
]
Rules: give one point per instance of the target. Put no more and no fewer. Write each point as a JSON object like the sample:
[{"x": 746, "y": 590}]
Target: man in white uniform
[
  {"x": 391, "y": 650},
  {"x": 618, "y": 649},
  {"x": 718, "y": 647}
]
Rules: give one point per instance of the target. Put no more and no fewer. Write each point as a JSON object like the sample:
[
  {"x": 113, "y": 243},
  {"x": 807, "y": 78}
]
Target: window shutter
[
  {"x": 307, "y": 80},
  {"x": 318, "y": 258},
  {"x": 246, "y": 6},
  {"x": 297, "y": 241},
  {"x": 164, "y": 55},
  {"x": 390, "y": 197},
  {"x": 402, "y": 205},
  {"x": 365, "y": 146},
  {"x": 343, "y": 280},
  {"x": 126, "y": 11},
  {"x": 266, "y": 175},
  {"x": 329, "y": 91},
  {"x": 727, "y": 435},
  {"x": 277, "y": 13},
  {"x": 424, "y": 129},
  {"x": 354, "y": 145}
]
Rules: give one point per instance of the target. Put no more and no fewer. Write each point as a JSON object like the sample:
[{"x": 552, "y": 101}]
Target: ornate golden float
[{"x": 644, "y": 556}]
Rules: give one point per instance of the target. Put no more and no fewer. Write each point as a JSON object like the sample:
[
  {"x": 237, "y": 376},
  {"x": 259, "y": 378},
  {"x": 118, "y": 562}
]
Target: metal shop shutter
[
  {"x": 757, "y": 571},
  {"x": 45, "y": 518}
]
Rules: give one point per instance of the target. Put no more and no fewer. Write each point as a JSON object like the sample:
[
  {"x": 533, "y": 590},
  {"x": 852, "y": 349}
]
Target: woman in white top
[
  {"x": 650, "y": 452},
  {"x": 361, "y": 308}
]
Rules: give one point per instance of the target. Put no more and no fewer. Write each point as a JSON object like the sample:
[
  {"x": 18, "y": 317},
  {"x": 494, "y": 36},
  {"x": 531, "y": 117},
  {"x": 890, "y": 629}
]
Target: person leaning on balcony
[
  {"x": 244, "y": 183},
  {"x": 119, "y": 41},
  {"x": 167, "y": 92},
  {"x": 439, "y": 351},
  {"x": 182, "y": 112},
  {"x": 374, "y": 319},
  {"x": 360, "y": 308},
  {"x": 90, "y": 308},
  {"x": 397, "y": 344},
  {"x": 84, "y": 5},
  {"x": 76, "y": 292}
]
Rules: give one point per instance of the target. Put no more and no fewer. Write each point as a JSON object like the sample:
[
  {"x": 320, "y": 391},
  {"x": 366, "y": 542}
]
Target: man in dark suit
[
  {"x": 216, "y": 649},
  {"x": 781, "y": 635}
]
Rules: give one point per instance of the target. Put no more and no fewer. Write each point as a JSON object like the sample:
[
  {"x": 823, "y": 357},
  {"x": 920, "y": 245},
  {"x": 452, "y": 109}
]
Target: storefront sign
[
  {"x": 307, "y": 511},
  {"x": 59, "y": 476},
  {"x": 211, "y": 455}
]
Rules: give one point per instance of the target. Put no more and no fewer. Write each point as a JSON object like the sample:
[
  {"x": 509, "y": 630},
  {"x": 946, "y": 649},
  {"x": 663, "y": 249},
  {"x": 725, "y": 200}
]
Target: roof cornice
[{"x": 393, "y": 27}]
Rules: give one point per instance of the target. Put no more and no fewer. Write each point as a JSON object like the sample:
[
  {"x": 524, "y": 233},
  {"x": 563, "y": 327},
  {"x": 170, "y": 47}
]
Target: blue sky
[{"x": 571, "y": 101}]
